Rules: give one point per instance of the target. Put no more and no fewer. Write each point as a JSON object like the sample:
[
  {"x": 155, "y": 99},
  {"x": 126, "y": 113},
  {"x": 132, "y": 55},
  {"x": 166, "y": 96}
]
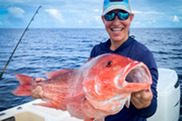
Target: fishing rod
[{"x": 26, "y": 29}]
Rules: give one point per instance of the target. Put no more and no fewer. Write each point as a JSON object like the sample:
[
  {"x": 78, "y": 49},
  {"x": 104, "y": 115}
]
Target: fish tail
[{"x": 24, "y": 89}]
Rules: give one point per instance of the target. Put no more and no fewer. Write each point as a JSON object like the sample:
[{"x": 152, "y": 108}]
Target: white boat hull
[{"x": 31, "y": 112}]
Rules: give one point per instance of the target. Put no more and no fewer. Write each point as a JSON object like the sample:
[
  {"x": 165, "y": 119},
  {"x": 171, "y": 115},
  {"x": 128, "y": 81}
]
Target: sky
[{"x": 86, "y": 13}]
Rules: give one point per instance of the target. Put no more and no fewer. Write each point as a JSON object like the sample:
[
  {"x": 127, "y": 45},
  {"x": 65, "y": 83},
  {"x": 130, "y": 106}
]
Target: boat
[
  {"x": 168, "y": 89},
  {"x": 168, "y": 104}
]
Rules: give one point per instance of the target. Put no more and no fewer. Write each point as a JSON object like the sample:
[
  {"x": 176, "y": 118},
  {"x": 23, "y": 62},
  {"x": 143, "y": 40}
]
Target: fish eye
[{"x": 109, "y": 64}]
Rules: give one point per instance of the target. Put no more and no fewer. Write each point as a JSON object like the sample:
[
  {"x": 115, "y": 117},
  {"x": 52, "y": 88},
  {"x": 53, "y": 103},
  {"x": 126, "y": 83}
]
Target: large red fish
[{"x": 100, "y": 87}]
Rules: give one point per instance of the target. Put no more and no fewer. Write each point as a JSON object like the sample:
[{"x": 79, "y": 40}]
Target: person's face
[{"x": 118, "y": 29}]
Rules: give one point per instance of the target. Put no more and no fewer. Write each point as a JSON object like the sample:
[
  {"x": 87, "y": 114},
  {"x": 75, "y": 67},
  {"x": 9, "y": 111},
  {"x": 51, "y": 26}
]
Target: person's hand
[
  {"x": 142, "y": 99},
  {"x": 37, "y": 92}
]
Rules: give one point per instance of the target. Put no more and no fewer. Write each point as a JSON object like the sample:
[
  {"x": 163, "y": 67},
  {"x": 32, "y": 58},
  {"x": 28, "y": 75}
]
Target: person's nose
[{"x": 116, "y": 21}]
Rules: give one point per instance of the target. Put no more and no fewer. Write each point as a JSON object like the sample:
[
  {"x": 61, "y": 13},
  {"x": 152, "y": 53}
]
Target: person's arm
[{"x": 147, "y": 111}]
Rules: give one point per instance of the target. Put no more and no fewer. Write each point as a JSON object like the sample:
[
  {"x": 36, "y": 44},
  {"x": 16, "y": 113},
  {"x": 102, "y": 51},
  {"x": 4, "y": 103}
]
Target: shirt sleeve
[
  {"x": 96, "y": 51},
  {"x": 92, "y": 54}
]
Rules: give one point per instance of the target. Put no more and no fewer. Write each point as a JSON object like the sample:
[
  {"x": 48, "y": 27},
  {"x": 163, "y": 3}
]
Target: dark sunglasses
[{"x": 122, "y": 15}]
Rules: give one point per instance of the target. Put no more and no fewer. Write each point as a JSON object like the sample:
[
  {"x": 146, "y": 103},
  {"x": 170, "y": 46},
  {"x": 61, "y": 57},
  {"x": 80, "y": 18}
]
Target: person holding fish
[{"x": 117, "y": 17}]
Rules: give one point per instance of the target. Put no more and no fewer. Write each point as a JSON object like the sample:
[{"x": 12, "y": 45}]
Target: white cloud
[
  {"x": 97, "y": 18},
  {"x": 55, "y": 14},
  {"x": 147, "y": 12},
  {"x": 137, "y": 22},
  {"x": 135, "y": 12},
  {"x": 0, "y": 23},
  {"x": 96, "y": 10},
  {"x": 152, "y": 12},
  {"x": 175, "y": 19},
  {"x": 80, "y": 21},
  {"x": 153, "y": 21},
  {"x": 16, "y": 12}
]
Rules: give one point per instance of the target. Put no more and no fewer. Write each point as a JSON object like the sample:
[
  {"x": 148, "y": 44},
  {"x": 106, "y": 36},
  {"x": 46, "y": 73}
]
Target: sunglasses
[{"x": 122, "y": 15}]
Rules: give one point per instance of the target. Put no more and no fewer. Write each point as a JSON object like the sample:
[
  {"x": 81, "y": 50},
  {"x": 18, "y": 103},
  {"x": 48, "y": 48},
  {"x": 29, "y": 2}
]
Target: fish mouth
[
  {"x": 135, "y": 74},
  {"x": 138, "y": 74}
]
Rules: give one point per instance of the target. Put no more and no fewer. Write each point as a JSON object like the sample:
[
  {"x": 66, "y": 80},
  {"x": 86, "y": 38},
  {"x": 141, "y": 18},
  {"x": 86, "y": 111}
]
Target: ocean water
[{"x": 43, "y": 50}]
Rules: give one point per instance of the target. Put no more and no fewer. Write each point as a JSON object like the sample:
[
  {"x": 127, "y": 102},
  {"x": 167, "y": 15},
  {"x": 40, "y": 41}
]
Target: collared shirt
[{"x": 136, "y": 51}]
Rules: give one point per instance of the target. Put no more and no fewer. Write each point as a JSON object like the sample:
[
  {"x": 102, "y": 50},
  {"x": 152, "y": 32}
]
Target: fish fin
[
  {"x": 25, "y": 88},
  {"x": 55, "y": 73},
  {"x": 23, "y": 79},
  {"x": 52, "y": 104},
  {"x": 89, "y": 119},
  {"x": 128, "y": 101},
  {"x": 89, "y": 59},
  {"x": 22, "y": 90}
]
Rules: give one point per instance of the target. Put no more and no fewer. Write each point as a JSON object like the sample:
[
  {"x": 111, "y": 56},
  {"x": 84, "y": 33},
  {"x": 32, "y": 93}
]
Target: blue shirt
[{"x": 136, "y": 51}]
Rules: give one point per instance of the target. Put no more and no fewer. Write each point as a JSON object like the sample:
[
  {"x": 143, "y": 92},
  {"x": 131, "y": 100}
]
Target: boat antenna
[{"x": 19, "y": 42}]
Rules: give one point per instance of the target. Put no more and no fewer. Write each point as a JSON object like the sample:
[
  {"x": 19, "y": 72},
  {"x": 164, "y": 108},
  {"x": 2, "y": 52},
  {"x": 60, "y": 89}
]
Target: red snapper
[{"x": 100, "y": 87}]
